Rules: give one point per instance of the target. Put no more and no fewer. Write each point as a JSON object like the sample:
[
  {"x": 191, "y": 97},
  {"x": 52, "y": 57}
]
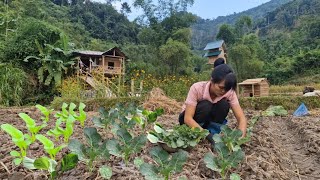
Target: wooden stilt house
[
  {"x": 253, "y": 88},
  {"x": 107, "y": 64},
  {"x": 215, "y": 50},
  {"x": 111, "y": 62}
]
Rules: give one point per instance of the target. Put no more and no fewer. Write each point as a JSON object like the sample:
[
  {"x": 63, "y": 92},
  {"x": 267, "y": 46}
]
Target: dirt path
[{"x": 284, "y": 148}]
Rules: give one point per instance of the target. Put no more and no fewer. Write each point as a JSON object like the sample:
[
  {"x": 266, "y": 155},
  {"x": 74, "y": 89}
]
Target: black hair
[
  {"x": 224, "y": 72},
  {"x": 218, "y": 62}
]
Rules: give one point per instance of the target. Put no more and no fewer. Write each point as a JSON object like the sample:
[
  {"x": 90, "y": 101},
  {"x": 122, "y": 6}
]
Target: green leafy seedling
[
  {"x": 125, "y": 145},
  {"x": 19, "y": 139},
  {"x": 227, "y": 145},
  {"x": 58, "y": 131},
  {"x": 180, "y": 137},
  {"x": 49, "y": 146},
  {"x": 96, "y": 148},
  {"x": 165, "y": 164},
  {"x": 145, "y": 117},
  {"x": 69, "y": 162},
  {"x": 46, "y": 112},
  {"x": 45, "y": 163},
  {"x": 31, "y": 125},
  {"x": 105, "y": 172}
]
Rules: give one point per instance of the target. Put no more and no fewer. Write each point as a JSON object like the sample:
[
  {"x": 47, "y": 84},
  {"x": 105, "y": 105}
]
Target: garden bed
[{"x": 280, "y": 148}]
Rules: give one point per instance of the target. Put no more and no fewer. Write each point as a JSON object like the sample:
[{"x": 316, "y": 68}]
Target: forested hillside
[
  {"x": 280, "y": 42},
  {"x": 205, "y": 30},
  {"x": 38, "y": 36}
]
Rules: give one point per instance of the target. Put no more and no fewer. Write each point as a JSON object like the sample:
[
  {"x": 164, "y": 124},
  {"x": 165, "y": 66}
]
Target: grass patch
[
  {"x": 291, "y": 88},
  {"x": 288, "y": 102}
]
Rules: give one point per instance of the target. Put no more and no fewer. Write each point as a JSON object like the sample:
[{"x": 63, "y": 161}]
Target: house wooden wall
[
  {"x": 260, "y": 89},
  {"x": 212, "y": 59}
]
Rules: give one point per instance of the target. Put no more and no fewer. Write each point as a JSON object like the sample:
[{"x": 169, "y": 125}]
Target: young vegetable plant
[
  {"x": 65, "y": 114},
  {"x": 96, "y": 148},
  {"x": 68, "y": 162},
  {"x": 46, "y": 112},
  {"x": 19, "y": 139},
  {"x": 31, "y": 125},
  {"x": 165, "y": 165},
  {"x": 145, "y": 117},
  {"x": 180, "y": 137},
  {"x": 68, "y": 117},
  {"x": 229, "y": 153},
  {"x": 125, "y": 145},
  {"x": 49, "y": 146}
]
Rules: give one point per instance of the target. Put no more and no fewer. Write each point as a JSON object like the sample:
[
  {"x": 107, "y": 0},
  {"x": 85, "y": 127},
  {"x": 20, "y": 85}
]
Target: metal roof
[
  {"x": 89, "y": 53},
  {"x": 214, "y": 45},
  {"x": 99, "y": 53},
  {"x": 252, "y": 81},
  {"x": 209, "y": 54}
]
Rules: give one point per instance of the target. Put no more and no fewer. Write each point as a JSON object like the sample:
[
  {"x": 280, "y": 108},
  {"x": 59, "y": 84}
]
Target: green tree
[
  {"x": 175, "y": 55},
  {"x": 243, "y": 26},
  {"x": 226, "y": 33},
  {"x": 244, "y": 62}
]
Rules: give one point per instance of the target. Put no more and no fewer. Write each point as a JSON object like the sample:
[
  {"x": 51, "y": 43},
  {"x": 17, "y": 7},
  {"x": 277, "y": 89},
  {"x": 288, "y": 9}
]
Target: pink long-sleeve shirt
[{"x": 200, "y": 91}]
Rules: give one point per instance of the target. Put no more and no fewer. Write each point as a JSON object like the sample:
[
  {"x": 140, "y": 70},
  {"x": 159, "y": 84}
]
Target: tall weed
[{"x": 12, "y": 85}]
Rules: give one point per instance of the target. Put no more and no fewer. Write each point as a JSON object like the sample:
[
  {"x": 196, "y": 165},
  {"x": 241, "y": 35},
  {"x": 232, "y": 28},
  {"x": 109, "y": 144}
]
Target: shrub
[{"x": 12, "y": 83}]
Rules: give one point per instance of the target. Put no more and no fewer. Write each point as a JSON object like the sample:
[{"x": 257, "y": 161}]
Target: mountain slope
[{"x": 205, "y": 31}]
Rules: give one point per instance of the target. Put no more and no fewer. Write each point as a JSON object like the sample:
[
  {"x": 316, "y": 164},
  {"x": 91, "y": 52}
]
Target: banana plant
[
  {"x": 19, "y": 139},
  {"x": 55, "y": 59}
]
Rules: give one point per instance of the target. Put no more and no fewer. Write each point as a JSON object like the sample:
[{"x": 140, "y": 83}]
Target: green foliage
[
  {"x": 12, "y": 83},
  {"x": 68, "y": 117},
  {"x": 125, "y": 145},
  {"x": 22, "y": 45},
  {"x": 46, "y": 112},
  {"x": 96, "y": 103},
  {"x": 275, "y": 111},
  {"x": 54, "y": 59},
  {"x": 227, "y": 145},
  {"x": 165, "y": 164},
  {"x": 175, "y": 55},
  {"x": 244, "y": 59},
  {"x": 31, "y": 125},
  {"x": 45, "y": 163},
  {"x": 180, "y": 137},
  {"x": 145, "y": 117},
  {"x": 49, "y": 146},
  {"x": 69, "y": 161},
  {"x": 288, "y": 102},
  {"x": 226, "y": 33},
  {"x": 19, "y": 139},
  {"x": 105, "y": 172},
  {"x": 96, "y": 147}
]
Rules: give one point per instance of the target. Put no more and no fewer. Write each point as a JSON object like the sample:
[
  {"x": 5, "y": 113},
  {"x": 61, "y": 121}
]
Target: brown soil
[{"x": 281, "y": 148}]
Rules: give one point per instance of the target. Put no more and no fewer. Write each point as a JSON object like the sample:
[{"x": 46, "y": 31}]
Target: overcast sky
[{"x": 207, "y": 9}]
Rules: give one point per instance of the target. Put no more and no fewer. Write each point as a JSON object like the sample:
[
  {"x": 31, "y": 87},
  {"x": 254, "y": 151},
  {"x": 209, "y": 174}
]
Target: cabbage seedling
[
  {"x": 19, "y": 139},
  {"x": 49, "y": 146},
  {"x": 31, "y": 125}
]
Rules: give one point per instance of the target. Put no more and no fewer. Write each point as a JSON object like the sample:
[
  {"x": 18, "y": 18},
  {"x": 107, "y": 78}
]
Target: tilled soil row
[{"x": 281, "y": 148}]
